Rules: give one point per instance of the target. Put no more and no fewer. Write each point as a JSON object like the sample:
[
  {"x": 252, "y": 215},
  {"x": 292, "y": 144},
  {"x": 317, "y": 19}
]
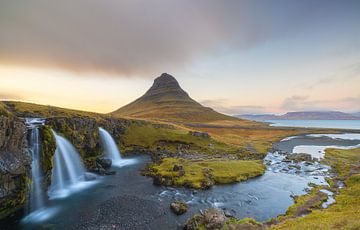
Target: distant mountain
[
  {"x": 166, "y": 100},
  {"x": 303, "y": 115}
]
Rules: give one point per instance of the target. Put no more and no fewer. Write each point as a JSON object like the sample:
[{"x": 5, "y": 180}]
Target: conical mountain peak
[
  {"x": 166, "y": 85},
  {"x": 166, "y": 100}
]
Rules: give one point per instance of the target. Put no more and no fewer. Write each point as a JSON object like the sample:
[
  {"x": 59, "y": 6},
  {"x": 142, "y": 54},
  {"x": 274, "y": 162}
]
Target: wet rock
[
  {"x": 298, "y": 157},
  {"x": 90, "y": 176},
  {"x": 214, "y": 218},
  {"x": 194, "y": 223},
  {"x": 105, "y": 163},
  {"x": 110, "y": 173},
  {"x": 179, "y": 207}
]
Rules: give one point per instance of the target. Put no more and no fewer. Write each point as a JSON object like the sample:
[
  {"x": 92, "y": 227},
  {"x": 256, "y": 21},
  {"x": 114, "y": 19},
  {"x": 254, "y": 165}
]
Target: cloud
[
  {"x": 220, "y": 105},
  {"x": 304, "y": 102},
  {"x": 139, "y": 36}
]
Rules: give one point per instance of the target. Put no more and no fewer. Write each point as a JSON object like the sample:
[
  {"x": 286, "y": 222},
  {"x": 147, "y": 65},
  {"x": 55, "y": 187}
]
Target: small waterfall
[
  {"x": 111, "y": 151},
  {"x": 36, "y": 193},
  {"x": 68, "y": 172}
]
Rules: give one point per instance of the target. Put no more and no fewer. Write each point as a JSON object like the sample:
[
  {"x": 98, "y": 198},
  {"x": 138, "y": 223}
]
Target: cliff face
[{"x": 15, "y": 164}]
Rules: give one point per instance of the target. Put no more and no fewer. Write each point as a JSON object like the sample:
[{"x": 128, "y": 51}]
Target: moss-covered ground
[
  {"x": 345, "y": 212},
  {"x": 195, "y": 173}
]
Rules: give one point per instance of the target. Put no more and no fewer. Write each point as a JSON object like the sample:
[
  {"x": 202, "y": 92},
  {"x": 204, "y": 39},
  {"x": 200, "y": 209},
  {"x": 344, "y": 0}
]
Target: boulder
[
  {"x": 214, "y": 218},
  {"x": 179, "y": 207}
]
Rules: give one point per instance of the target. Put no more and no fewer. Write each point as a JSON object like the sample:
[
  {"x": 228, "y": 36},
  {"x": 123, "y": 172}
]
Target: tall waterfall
[
  {"x": 111, "y": 151},
  {"x": 68, "y": 172},
  {"x": 36, "y": 193}
]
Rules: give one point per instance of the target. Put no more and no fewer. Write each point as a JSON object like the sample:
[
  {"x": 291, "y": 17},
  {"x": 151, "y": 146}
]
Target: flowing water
[
  {"x": 68, "y": 174},
  {"x": 36, "y": 194},
  {"x": 111, "y": 150}
]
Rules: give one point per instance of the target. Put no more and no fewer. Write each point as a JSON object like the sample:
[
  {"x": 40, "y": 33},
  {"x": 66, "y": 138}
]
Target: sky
[{"x": 239, "y": 57}]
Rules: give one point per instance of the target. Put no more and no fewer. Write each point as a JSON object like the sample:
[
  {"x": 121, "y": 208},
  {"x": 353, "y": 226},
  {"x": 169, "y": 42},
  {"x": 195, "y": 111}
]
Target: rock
[
  {"x": 199, "y": 134},
  {"x": 105, "y": 163},
  {"x": 194, "y": 223},
  {"x": 214, "y": 218},
  {"x": 110, "y": 172},
  {"x": 177, "y": 168},
  {"x": 90, "y": 176},
  {"x": 179, "y": 207},
  {"x": 299, "y": 157}
]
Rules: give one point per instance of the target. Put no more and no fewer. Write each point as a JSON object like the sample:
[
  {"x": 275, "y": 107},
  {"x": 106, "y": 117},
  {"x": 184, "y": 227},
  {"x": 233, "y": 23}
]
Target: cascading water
[
  {"x": 111, "y": 151},
  {"x": 68, "y": 174},
  {"x": 37, "y": 210},
  {"x": 36, "y": 192}
]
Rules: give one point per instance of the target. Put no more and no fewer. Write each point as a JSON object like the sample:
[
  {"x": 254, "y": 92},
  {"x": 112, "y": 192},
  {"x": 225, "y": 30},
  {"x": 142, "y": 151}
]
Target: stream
[{"x": 128, "y": 200}]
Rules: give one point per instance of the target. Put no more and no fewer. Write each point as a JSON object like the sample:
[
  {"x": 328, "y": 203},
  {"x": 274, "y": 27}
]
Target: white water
[
  {"x": 111, "y": 151},
  {"x": 68, "y": 174},
  {"x": 36, "y": 193}
]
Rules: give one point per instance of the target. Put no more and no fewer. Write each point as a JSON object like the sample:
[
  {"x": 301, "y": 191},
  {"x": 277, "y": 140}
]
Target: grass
[
  {"x": 166, "y": 137},
  {"x": 345, "y": 212},
  {"x": 198, "y": 172},
  {"x": 30, "y": 109},
  {"x": 257, "y": 140}
]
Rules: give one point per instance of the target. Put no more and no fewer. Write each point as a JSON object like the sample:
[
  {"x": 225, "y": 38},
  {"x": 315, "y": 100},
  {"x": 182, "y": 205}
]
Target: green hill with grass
[{"x": 166, "y": 100}]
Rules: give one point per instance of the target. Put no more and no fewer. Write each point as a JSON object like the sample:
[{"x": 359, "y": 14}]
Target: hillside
[{"x": 166, "y": 100}]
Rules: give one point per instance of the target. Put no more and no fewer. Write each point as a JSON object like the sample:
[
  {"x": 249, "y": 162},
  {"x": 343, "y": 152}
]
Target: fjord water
[
  {"x": 68, "y": 174},
  {"x": 111, "y": 151},
  {"x": 334, "y": 124}
]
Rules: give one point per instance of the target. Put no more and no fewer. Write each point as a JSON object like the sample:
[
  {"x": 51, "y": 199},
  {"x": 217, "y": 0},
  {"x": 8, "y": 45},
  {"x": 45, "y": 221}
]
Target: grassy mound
[{"x": 200, "y": 173}]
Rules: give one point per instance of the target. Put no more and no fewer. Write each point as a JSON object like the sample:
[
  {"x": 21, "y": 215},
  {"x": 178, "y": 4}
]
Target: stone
[
  {"x": 299, "y": 157},
  {"x": 214, "y": 218},
  {"x": 179, "y": 207},
  {"x": 105, "y": 163},
  {"x": 199, "y": 134}
]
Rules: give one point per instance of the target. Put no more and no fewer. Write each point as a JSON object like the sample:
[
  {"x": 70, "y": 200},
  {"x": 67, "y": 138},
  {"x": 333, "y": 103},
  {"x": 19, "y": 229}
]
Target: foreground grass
[
  {"x": 345, "y": 213},
  {"x": 200, "y": 173}
]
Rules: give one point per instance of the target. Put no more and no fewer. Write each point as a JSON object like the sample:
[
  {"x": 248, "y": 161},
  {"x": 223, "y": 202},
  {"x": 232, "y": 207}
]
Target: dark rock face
[
  {"x": 15, "y": 164},
  {"x": 179, "y": 207}
]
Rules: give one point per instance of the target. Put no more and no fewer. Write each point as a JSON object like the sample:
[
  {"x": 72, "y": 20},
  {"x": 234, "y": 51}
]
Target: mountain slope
[{"x": 166, "y": 100}]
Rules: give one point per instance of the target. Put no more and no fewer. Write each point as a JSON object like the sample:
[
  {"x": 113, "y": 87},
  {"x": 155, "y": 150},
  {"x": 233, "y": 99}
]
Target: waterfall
[
  {"x": 68, "y": 174},
  {"x": 36, "y": 193},
  {"x": 111, "y": 151}
]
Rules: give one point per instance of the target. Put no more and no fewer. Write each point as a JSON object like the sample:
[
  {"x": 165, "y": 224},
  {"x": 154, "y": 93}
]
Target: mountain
[
  {"x": 166, "y": 100},
  {"x": 303, "y": 115}
]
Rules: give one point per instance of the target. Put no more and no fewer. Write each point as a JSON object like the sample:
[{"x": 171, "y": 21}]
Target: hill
[{"x": 166, "y": 100}]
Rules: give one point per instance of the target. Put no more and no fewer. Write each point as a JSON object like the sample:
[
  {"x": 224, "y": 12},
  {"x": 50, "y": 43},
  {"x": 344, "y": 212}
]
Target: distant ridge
[
  {"x": 303, "y": 115},
  {"x": 166, "y": 100}
]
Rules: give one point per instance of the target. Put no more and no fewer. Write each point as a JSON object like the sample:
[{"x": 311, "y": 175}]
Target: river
[{"x": 128, "y": 200}]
